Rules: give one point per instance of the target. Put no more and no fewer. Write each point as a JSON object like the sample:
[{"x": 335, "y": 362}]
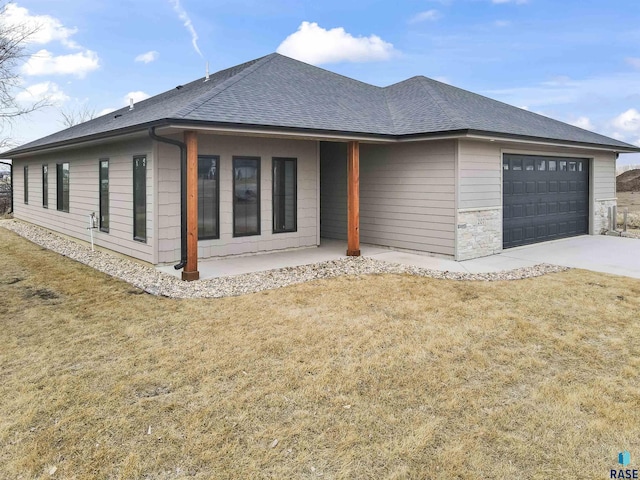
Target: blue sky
[{"x": 576, "y": 61}]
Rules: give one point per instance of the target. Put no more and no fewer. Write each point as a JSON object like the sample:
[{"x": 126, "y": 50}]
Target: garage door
[{"x": 544, "y": 198}]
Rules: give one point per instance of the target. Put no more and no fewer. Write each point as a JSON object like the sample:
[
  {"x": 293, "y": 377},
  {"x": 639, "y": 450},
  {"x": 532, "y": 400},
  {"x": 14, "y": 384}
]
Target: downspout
[
  {"x": 183, "y": 193},
  {"x": 11, "y": 177}
]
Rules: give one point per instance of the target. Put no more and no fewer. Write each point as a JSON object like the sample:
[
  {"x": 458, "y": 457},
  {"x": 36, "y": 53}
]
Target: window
[
  {"x": 541, "y": 165},
  {"x": 552, "y": 165},
  {"x": 208, "y": 197},
  {"x": 140, "y": 198},
  {"x": 45, "y": 186},
  {"x": 563, "y": 165},
  {"x": 26, "y": 184},
  {"x": 572, "y": 167},
  {"x": 104, "y": 194},
  {"x": 246, "y": 196},
  {"x": 62, "y": 184},
  {"x": 528, "y": 164},
  {"x": 284, "y": 195}
]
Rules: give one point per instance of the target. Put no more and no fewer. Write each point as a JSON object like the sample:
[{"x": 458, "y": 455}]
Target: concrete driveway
[{"x": 600, "y": 253}]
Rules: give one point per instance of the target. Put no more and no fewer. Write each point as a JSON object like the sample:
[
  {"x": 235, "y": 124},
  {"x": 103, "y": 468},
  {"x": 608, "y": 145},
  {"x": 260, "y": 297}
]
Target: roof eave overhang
[
  {"x": 505, "y": 137},
  {"x": 302, "y": 133},
  {"x": 82, "y": 141},
  {"x": 382, "y": 138}
]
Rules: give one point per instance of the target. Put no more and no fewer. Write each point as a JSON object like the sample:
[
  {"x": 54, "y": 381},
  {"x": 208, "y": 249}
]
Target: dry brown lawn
[{"x": 357, "y": 377}]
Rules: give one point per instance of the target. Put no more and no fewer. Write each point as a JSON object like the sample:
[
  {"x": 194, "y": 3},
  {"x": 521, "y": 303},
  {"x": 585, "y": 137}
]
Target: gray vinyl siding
[
  {"x": 407, "y": 195},
  {"x": 480, "y": 165},
  {"x": 479, "y": 175},
  {"x": 227, "y": 146},
  {"x": 333, "y": 190},
  {"x": 604, "y": 176},
  {"x": 84, "y": 195}
]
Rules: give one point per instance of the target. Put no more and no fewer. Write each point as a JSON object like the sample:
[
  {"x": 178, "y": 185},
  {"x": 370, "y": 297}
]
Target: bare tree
[
  {"x": 71, "y": 117},
  {"x": 13, "y": 39}
]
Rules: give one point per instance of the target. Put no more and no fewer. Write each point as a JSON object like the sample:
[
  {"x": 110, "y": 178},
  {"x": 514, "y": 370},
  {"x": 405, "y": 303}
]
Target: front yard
[{"x": 383, "y": 376}]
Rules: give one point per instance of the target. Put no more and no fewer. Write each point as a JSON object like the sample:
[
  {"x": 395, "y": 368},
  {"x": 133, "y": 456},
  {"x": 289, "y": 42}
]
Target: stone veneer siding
[
  {"x": 601, "y": 215},
  {"x": 479, "y": 233}
]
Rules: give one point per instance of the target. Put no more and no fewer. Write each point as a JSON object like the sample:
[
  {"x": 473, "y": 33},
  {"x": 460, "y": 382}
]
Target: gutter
[{"x": 183, "y": 193}]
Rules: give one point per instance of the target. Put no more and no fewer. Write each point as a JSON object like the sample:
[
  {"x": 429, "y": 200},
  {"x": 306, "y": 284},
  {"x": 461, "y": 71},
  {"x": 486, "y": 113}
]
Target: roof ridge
[
  {"x": 221, "y": 87},
  {"x": 351, "y": 79},
  {"x": 386, "y": 102},
  {"x": 454, "y": 119}
]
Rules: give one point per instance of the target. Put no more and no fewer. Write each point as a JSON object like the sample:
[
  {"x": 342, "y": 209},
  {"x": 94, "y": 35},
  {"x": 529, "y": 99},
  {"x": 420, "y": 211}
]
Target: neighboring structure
[{"x": 278, "y": 154}]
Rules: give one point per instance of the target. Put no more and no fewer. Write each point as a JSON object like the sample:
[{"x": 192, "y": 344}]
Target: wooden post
[
  {"x": 353, "y": 199},
  {"x": 190, "y": 271}
]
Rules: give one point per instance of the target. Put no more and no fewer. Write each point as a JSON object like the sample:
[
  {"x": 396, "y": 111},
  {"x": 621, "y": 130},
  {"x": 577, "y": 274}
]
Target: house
[{"x": 277, "y": 154}]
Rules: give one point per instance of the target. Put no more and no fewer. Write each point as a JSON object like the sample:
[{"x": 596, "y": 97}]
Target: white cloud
[
  {"x": 48, "y": 91},
  {"x": 186, "y": 21},
  {"x": 502, "y": 23},
  {"x": 633, "y": 61},
  {"x": 429, "y": 15},
  {"x": 137, "y": 96},
  {"x": 147, "y": 57},
  {"x": 628, "y": 121},
  {"x": 583, "y": 122},
  {"x": 46, "y": 28},
  {"x": 313, "y": 44},
  {"x": 517, "y": 2},
  {"x": 45, "y": 63}
]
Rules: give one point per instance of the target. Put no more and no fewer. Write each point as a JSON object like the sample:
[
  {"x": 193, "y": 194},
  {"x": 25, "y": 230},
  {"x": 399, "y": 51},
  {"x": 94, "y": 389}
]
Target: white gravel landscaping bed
[{"x": 158, "y": 283}]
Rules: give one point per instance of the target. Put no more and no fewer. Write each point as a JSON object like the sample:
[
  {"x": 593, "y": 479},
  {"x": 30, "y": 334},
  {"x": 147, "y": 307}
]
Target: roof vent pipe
[
  {"x": 130, "y": 103},
  {"x": 206, "y": 77}
]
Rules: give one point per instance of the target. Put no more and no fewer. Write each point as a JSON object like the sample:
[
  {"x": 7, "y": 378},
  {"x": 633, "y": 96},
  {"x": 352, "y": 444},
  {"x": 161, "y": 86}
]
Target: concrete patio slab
[
  {"x": 616, "y": 255},
  {"x": 237, "y": 265}
]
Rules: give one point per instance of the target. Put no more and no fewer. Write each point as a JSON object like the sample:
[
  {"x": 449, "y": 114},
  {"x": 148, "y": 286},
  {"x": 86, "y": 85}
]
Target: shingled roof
[{"x": 278, "y": 92}]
